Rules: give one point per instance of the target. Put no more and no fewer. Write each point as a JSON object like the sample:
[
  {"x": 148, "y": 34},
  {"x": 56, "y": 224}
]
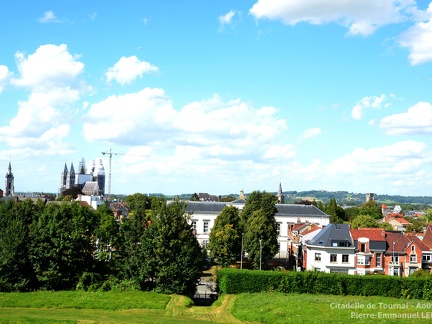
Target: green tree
[
  {"x": 371, "y": 208},
  {"x": 351, "y": 213},
  {"x": 259, "y": 200},
  {"x": 225, "y": 236},
  {"x": 132, "y": 252},
  {"x": 195, "y": 197},
  {"x": 416, "y": 225},
  {"x": 364, "y": 221},
  {"x": 62, "y": 245},
  {"x": 260, "y": 238},
  {"x": 177, "y": 255},
  {"x": 336, "y": 213},
  {"x": 428, "y": 216},
  {"x": 107, "y": 233}
]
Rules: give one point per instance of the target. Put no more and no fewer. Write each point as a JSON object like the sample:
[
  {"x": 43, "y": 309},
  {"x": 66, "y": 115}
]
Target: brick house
[{"x": 370, "y": 245}]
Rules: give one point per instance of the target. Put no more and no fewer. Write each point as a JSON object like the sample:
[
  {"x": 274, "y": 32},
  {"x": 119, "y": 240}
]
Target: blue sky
[{"x": 219, "y": 96}]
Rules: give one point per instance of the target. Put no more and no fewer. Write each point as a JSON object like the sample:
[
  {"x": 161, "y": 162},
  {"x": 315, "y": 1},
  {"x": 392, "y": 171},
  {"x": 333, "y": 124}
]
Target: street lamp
[
  {"x": 241, "y": 255},
  {"x": 260, "y": 253}
]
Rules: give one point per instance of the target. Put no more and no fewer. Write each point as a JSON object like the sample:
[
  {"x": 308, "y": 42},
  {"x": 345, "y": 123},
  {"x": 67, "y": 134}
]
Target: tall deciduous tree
[
  {"x": 62, "y": 245},
  {"x": 225, "y": 236},
  {"x": 258, "y": 216},
  {"x": 336, "y": 213},
  {"x": 372, "y": 209},
  {"x": 261, "y": 238},
  {"x": 177, "y": 256}
]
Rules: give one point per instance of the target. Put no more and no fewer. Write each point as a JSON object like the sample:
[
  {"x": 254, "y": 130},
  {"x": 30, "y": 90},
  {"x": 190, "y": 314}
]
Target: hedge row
[{"x": 234, "y": 281}]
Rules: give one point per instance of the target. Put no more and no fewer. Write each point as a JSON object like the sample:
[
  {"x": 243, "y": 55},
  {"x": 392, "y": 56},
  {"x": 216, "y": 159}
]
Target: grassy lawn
[
  {"x": 306, "y": 308},
  {"x": 142, "y": 307}
]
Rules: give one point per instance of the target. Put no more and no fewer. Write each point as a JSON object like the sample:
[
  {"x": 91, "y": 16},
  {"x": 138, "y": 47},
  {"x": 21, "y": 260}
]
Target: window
[
  {"x": 362, "y": 247},
  {"x": 360, "y": 260},
  {"x": 426, "y": 258},
  {"x": 317, "y": 256},
  {"x": 412, "y": 248},
  {"x": 343, "y": 244},
  {"x": 193, "y": 224},
  {"x": 206, "y": 226},
  {"x": 378, "y": 260},
  {"x": 278, "y": 226},
  {"x": 204, "y": 243},
  {"x": 395, "y": 258},
  {"x": 345, "y": 258},
  {"x": 413, "y": 258},
  {"x": 395, "y": 272},
  {"x": 333, "y": 257},
  {"x": 334, "y": 244}
]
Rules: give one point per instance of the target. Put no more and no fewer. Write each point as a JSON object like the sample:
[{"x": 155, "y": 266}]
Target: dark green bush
[{"x": 234, "y": 281}]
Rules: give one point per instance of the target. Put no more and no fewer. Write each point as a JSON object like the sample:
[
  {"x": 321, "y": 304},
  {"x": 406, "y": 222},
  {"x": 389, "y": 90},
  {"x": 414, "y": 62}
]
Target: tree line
[{"x": 63, "y": 246}]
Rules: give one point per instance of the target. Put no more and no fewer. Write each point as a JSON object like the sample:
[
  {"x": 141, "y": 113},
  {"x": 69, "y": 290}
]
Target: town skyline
[{"x": 219, "y": 96}]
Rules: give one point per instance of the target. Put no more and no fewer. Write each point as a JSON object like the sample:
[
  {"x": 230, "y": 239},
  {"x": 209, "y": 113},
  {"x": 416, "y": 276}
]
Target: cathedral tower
[{"x": 9, "y": 182}]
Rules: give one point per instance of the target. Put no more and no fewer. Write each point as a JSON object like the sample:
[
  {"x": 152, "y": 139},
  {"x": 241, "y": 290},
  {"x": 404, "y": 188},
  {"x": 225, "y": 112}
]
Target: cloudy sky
[{"x": 219, "y": 96}]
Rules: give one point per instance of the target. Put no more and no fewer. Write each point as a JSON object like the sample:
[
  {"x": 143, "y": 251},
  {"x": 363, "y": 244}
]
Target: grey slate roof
[
  {"x": 332, "y": 233},
  {"x": 283, "y": 209},
  {"x": 299, "y": 210},
  {"x": 203, "y": 207}
]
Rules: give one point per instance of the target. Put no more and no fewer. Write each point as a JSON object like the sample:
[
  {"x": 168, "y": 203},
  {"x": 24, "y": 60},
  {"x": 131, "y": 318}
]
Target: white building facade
[{"x": 203, "y": 214}]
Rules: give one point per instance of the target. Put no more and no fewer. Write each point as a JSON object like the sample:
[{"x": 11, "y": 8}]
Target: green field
[{"x": 142, "y": 307}]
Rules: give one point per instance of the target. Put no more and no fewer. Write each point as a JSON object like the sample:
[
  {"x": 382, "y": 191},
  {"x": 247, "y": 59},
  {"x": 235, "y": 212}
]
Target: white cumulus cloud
[
  {"x": 373, "y": 102},
  {"x": 5, "y": 74},
  {"x": 127, "y": 69},
  {"x": 50, "y": 66},
  {"x": 416, "y": 120},
  {"x": 418, "y": 39},
  {"x": 42, "y": 120},
  {"x": 361, "y": 17}
]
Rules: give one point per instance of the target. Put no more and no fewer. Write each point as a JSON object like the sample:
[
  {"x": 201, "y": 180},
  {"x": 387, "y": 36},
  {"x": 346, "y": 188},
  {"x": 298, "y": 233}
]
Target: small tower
[
  {"x": 9, "y": 183},
  {"x": 64, "y": 178},
  {"x": 280, "y": 195},
  {"x": 70, "y": 179}
]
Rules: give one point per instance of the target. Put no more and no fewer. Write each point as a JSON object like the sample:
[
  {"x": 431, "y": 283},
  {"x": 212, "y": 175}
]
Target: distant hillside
[{"x": 349, "y": 198}]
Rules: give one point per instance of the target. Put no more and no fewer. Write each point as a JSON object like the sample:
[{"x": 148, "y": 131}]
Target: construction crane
[{"x": 110, "y": 153}]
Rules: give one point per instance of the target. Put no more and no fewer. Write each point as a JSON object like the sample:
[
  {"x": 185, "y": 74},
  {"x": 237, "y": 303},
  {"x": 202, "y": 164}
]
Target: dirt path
[{"x": 221, "y": 313}]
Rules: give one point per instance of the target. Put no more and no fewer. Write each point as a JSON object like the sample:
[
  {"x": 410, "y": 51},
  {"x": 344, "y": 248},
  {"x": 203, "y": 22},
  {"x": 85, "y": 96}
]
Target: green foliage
[
  {"x": 173, "y": 248},
  {"x": 233, "y": 281},
  {"x": 364, "y": 221},
  {"x": 194, "y": 197},
  {"x": 416, "y": 225},
  {"x": 259, "y": 200},
  {"x": 62, "y": 245},
  {"x": 372, "y": 209},
  {"x": 336, "y": 213},
  {"x": 260, "y": 238},
  {"x": 225, "y": 237}
]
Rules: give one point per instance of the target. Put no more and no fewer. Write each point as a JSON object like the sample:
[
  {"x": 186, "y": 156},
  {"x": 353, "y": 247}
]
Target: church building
[{"x": 91, "y": 181}]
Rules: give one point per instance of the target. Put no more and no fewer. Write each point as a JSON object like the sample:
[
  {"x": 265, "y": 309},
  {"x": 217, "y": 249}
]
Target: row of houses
[{"x": 339, "y": 248}]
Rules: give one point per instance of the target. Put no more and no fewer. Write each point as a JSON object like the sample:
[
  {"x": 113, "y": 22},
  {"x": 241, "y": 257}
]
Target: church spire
[
  {"x": 280, "y": 195},
  {"x": 9, "y": 182}
]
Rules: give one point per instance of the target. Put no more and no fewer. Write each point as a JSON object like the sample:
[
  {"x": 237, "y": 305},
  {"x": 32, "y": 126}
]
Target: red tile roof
[
  {"x": 373, "y": 234},
  {"x": 427, "y": 237}
]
